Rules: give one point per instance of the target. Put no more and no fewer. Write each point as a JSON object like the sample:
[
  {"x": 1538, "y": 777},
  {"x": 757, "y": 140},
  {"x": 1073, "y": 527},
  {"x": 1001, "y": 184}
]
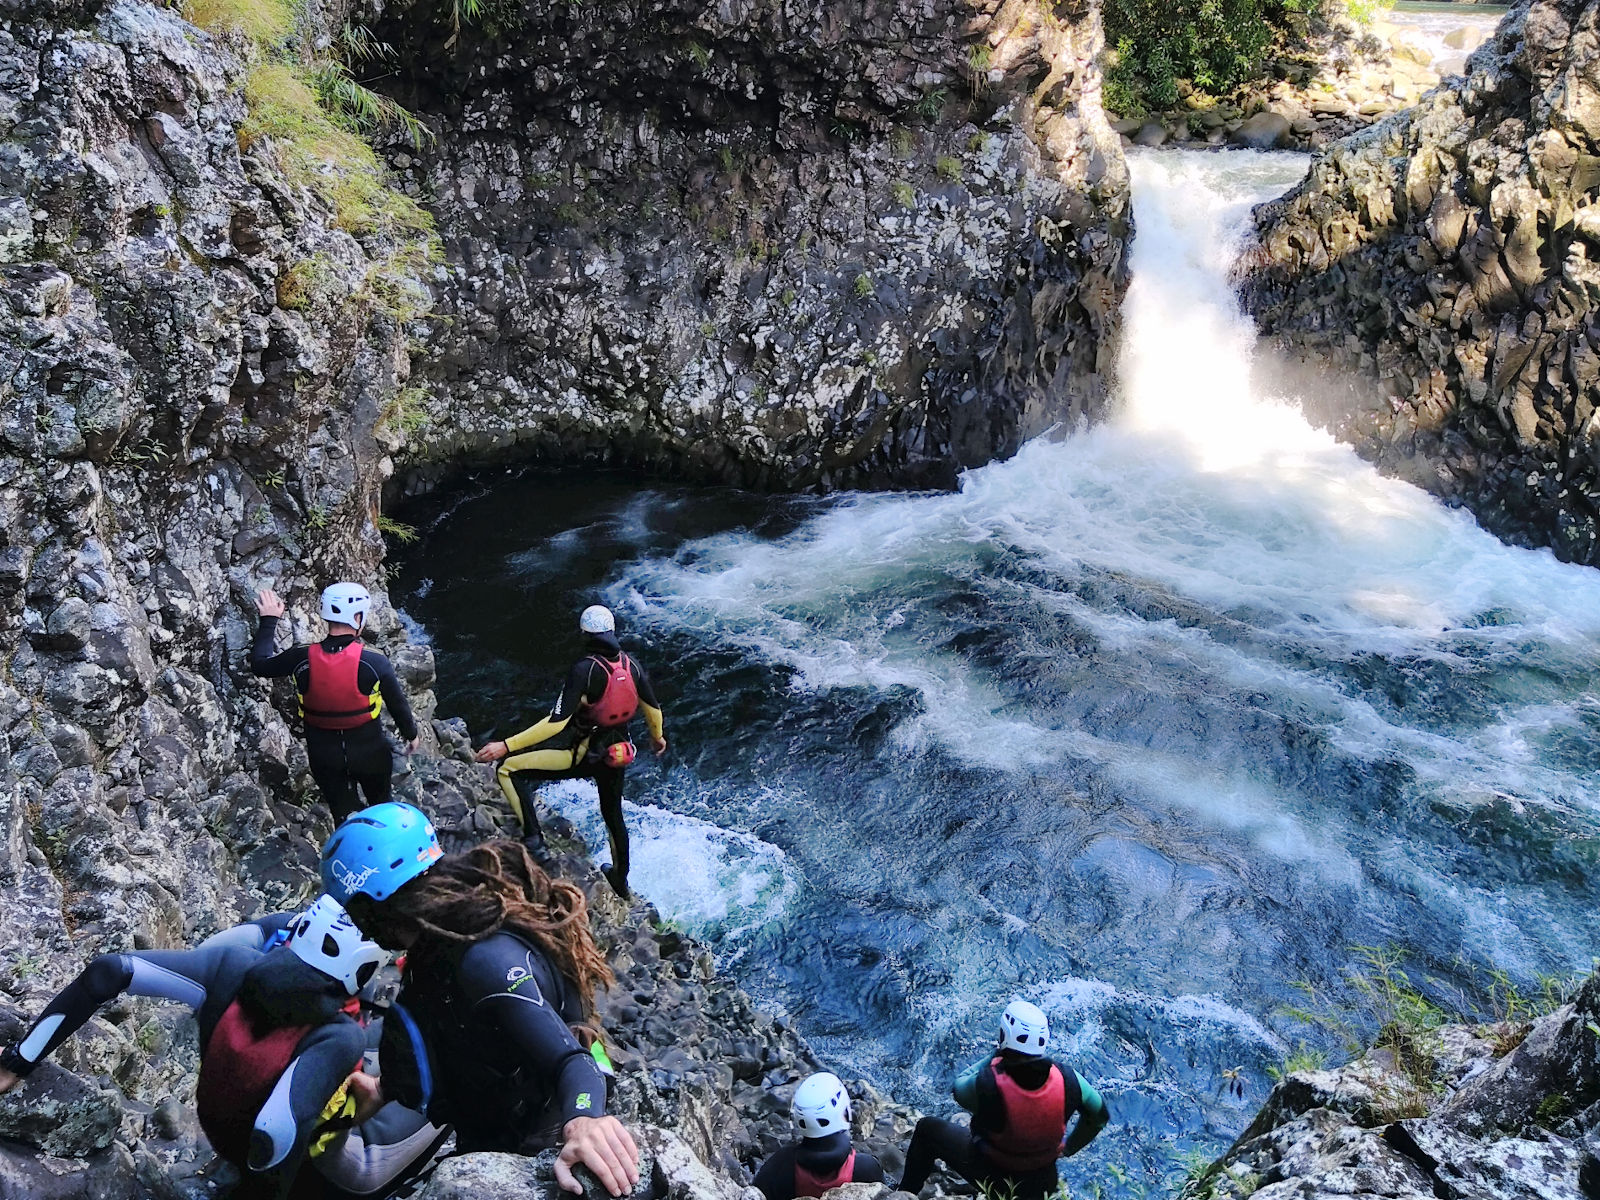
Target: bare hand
[
  {"x": 492, "y": 752},
  {"x": 268, "y": 604},
  {"x": 8, "y": 1080},
  {"x": 661, "y": 746},
  {"x": 411, "y": 746},
  {"x": 604, "y": 1145},
  {"x": 367, "y": 1092}
]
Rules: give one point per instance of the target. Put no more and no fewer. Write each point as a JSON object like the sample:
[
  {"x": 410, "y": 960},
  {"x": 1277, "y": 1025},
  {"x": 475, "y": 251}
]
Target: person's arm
[
  {"x": 267, "y": 665},
  {"x": 312, "y": 1100},
  {"x": 868, "y": 1168},
  {"x": 183, "y": 975},
  {"x": 573, "y": 695},
  {"x": 649, "y": 705},
  {"x": 965, "y": 1092},
  {"x": 775, "y": 1179},
  {"x": 1092, "y": 1117},
  {"x": 370, "y": 1158},
  {"x": 252, "y": 935},
  {"x": 530, "y": 1028},
  {"x": 394, "y": 695}
]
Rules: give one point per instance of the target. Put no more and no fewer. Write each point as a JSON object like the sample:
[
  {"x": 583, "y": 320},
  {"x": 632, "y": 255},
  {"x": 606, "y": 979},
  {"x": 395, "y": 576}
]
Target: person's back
[
  {"x": 1021, "y": 1104},
  {"x": 343, "y": 687},
  {"x": 825, "y": 1157}
]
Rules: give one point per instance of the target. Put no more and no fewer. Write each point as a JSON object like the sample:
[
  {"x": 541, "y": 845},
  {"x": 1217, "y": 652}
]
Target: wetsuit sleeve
[
  {"x": 965, "y": 1092},
  {"x": 647, "y": 700},
  {"x": 394, "y": 695},
  {"x": 183, "y": 975},
  {"x": 252, "y": 935},
  {"x": 775, "y": 1179},
  {"x": 264, "y": 662},
  {"x": 868, "y": 1168},
  {"x": 309, "y": 1102},
  {"x": 574, "y": 692},
  {"x": 1092, "y": 1116},
  {"x": 498, "y": 985}
]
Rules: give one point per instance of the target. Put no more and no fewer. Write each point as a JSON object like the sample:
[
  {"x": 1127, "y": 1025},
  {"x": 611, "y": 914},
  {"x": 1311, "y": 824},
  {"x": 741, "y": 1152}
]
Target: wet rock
[
  {"x": 1264, "y": 131},
  {"x": 1432, "y": 285},
  {"x": 1151, "y": 133}
]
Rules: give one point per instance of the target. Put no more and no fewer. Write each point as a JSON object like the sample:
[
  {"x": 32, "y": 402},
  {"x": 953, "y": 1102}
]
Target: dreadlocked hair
[{"x": 465, "y": 898}]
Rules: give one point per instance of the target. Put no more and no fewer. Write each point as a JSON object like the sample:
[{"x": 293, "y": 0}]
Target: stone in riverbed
[
  {"x": 1151, "y": 133},
  {"x": 1264, "y": 131}
]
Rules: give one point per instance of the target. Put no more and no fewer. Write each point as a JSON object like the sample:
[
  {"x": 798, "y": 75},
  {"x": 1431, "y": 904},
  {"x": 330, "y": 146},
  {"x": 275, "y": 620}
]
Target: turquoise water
[{"x": 1149, "y": 724}]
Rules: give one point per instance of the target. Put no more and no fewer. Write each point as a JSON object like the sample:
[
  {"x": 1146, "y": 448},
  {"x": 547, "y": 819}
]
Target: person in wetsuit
[
  {"x": 584, "y": 737},
  {"x": 824, "y": 1157},
  {"x": 1021, "y": 1103},
  {"x": 497, "y": 999},
  {"x": 280, "y": 1054},
  {"x": 343, "y": 686}
]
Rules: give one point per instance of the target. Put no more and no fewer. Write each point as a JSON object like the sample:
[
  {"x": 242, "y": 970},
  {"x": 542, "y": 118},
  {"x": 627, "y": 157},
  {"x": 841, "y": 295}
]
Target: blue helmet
[{"x": 377, "y": 851}]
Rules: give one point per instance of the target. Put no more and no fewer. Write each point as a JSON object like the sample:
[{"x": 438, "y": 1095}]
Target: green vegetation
[
  {"x": 1303, "y": 1058},
  {"x": 904, "y": 194},
  {"x": 407, "y": 412},
  {"x": 1552, "y": 1110},
  {"x": 1212, "y": 45},
  {"x": 863, "y": 287},
  {"x": 398, "y": 530},
  {"x": 948, "y": 168},
  {"x": 258, "y": 20}
]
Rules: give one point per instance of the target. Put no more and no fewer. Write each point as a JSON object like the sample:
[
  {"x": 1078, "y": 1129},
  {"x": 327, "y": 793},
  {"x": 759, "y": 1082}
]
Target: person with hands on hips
[
  {"x": 343, "y": 686},
  {"x": 497, "y": 1000}
]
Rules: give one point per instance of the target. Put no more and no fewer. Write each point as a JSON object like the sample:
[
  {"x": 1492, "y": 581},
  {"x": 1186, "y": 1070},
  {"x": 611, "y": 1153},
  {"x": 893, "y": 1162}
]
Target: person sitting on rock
[
  {"x": 1021, "y": 1104},
  {"x": 280, "y": 1049},
  {"x": 343, "y": 686},
  {"x": 823, "y": 1158},
  {"x": 499, "y": 987},
  {"x": 585, "y": 737}
]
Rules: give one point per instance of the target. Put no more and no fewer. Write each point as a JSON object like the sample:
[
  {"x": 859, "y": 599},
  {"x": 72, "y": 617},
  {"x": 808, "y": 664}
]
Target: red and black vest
[
  {"x": 237, "y": 1074},
  {"x": 1036, "y": 1121},
  {"x": 620, "y": 699},
  {"x": 333, "y": 698},
  {"x": 807, "y": 1184}
]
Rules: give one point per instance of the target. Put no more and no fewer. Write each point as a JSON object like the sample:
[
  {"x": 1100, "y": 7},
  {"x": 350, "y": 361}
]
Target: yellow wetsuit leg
[{"x": 547, "y": 759}]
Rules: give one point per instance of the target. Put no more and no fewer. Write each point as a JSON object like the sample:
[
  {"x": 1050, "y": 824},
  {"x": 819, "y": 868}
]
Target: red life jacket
[
  {"x": 333, "y": 698},
  {"x": 237, "y": 1073},
  {"x": 620, "y": 699},
  {"x": 807, "y": 1184},
  {"x": 1036, "y": 1122}
]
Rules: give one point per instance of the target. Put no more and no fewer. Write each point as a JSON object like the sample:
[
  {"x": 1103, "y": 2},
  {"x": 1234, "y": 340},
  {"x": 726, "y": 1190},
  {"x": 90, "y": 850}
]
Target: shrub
[{"x": 1214, "y": 44}]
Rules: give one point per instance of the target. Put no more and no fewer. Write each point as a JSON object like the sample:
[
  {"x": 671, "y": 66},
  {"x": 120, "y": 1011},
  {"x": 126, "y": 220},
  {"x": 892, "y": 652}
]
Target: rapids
[{"x": 1151, "y": 723}]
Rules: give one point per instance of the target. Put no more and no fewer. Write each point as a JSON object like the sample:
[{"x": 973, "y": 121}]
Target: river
[{"x": 1151, "y": 723}]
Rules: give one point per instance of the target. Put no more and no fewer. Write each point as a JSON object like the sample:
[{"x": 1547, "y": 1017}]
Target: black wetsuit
[
  {"x": 342, "y": 759},
  {"x": 276, "y": 989},
  {"x": 564, "y": 746},
  {"x": 820, "y": 1156},
  {"x": 480, "y": 1039}
]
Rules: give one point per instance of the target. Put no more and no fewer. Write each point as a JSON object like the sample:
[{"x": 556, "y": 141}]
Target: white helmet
[
  {"x": 597, "y": 618},
  {"x": 346, "y": 603},
  {"x": 1024, "y": 1028},
  {"x": 326, "y": 938},
  {"x": 821, "y": 1106}
]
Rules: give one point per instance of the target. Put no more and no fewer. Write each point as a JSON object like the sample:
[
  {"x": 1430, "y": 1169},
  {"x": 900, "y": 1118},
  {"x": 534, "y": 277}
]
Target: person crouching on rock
[
  {"x": 343, "y": 686},
  {"x": 585, "y": 737},
  {"x": 823, "y": 1158},
  {"x": 500, "y": 977},
  {"x": 280, "y": 1081},
  {"x": 1020, "y": 1103}
]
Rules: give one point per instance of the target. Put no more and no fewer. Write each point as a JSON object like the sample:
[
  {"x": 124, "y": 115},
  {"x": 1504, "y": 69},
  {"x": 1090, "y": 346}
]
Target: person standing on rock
[
  {"x": 500, "y": 980},
  {"x": 584, "y": 737},
  {"x": 824, "y": 1157},
  {"x": 280, "y": 1049},
  {"x": 1021, "y": 1104},
  {"x": 343, "y": 686}
]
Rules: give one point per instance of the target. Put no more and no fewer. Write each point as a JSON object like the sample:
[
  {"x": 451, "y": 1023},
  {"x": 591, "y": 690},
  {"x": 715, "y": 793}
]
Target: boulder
[
  {"x": 1151, "y": 133},
  {"x": 1264, "y": 131},
  {"x": 1467, "y": 38}
]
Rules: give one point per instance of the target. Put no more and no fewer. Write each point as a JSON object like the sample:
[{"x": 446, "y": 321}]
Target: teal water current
[{"x": 1150, "y": 724}]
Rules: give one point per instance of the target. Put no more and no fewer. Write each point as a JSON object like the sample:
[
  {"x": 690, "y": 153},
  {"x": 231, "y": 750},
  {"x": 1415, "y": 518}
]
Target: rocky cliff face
[
  {"x": 1492, "y": 1111},
  {"x": 781, "y": 245},
  {"x": 1433, "y": 283},
  {"x": 204, "y": 330}
]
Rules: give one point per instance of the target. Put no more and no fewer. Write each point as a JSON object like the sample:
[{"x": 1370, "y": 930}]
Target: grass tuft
[{"x": 258, "y": 20}]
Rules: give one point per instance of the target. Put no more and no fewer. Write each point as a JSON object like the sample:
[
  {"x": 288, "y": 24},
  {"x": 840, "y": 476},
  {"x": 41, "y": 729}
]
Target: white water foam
[{"x": 709, "y": 880}]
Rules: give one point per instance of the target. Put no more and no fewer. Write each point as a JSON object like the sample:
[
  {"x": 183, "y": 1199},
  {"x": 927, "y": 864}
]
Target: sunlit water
[{"x": 1147, "y": 724}]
